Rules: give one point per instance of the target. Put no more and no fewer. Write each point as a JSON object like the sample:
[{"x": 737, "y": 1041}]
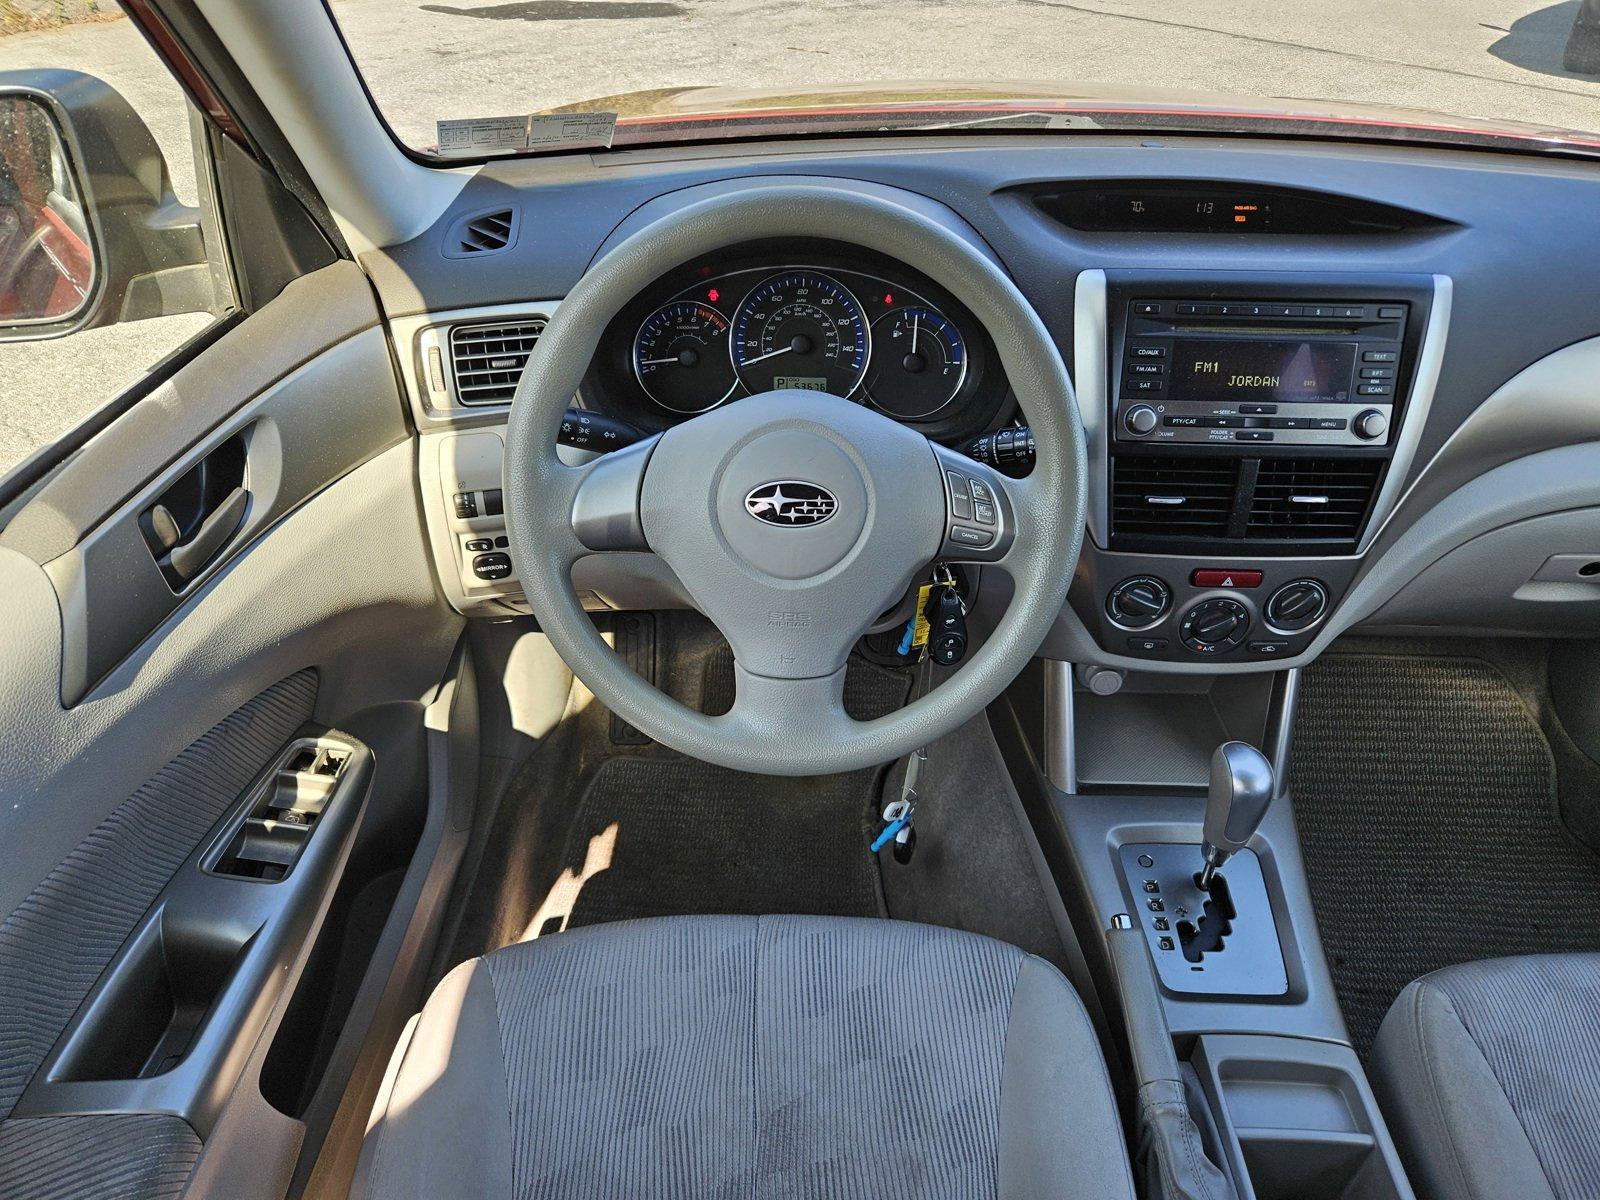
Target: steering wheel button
[
  {"x": 981, "y": 492},
  {"x": 983, "y": 512},
  {"x": 968, "y": 536}
]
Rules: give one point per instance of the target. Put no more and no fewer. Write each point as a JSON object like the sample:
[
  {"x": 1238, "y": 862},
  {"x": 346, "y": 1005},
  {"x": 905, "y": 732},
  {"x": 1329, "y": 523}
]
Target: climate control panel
[{"x": 1170, "y": 609}]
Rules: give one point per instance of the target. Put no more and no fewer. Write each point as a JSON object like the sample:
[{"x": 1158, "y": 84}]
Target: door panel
[{"x": 135, "y": 714}]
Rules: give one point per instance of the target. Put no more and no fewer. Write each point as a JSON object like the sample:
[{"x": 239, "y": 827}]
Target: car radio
[{"x": 1284, "y": 371}]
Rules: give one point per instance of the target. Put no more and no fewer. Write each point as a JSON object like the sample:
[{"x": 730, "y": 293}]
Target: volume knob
[
  {"x": 1370, "y": 425},
  {"x": 1140, "y": 419}
]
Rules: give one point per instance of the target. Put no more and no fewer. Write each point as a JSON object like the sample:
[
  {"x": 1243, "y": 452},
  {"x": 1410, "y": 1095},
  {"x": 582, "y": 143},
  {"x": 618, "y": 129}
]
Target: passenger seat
[{"x": 1489, "y": 1074}]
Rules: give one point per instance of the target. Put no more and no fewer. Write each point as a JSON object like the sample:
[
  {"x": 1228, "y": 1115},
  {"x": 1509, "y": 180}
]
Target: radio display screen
[{"x": 1217, "y": 369}]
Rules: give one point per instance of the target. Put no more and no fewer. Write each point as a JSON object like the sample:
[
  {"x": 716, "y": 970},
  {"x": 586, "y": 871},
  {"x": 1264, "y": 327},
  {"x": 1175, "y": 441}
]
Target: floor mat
[
  {"x": 667, "y": 837},
  {"x": 1425, "y": 793},
  {"x": 594, "y": 828}
]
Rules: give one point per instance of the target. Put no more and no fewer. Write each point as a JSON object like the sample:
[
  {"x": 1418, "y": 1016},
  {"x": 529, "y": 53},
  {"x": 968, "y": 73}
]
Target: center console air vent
[
  {"x": 1306, "y": 498},
  {"x": 487, "y": 360},
  {"x": 1173, "y": 497}
]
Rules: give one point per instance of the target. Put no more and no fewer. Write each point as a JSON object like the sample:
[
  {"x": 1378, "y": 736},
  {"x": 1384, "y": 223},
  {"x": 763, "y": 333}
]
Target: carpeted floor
[{"x": 1425, "y": 791}]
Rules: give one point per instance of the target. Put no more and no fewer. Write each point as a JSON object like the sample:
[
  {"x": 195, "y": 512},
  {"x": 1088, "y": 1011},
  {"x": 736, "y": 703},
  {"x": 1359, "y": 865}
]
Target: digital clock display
[{"x": 1288, "y": 371}]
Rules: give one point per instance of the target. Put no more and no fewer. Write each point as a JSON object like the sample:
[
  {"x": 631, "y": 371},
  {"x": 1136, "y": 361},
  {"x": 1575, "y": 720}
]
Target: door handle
[{"x": 186, "y": 559}]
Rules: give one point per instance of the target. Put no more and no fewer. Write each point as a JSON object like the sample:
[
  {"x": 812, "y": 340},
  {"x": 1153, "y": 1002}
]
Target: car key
[{"x": 947, "y": 620}]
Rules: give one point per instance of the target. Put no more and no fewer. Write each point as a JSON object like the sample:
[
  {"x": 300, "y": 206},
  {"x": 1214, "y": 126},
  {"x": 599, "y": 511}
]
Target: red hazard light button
[{"x": 1226, "y": 579}]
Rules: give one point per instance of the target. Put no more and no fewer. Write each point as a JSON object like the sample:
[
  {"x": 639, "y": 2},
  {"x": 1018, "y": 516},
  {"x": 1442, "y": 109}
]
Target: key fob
[{"x": 947, "y": 628}]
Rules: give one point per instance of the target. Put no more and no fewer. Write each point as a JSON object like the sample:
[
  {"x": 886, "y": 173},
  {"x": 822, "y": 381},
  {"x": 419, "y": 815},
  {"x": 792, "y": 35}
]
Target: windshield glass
[{"x": 462, "y": 78}]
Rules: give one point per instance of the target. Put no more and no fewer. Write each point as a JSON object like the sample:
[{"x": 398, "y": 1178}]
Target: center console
[{"x": 1248, "y": 434}]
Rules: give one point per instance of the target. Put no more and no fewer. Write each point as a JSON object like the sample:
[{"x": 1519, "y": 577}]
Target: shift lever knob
[{"x": 1241, "y": 789}]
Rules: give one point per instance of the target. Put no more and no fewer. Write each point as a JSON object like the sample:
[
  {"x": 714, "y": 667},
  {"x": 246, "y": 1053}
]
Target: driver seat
[{"x": 703, "y": 1057}]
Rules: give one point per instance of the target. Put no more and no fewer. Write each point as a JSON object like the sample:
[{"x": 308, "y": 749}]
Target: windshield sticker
[
  {"x": 483, "y": 135},
  {"x": 478, "y": 136},
  {"x": 565, "y": 130}
]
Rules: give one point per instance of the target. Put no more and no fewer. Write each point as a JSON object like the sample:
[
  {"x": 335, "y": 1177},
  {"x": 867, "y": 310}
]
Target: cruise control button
[
  {"x": 983, "y": 512},
  {"x": 967, "y": 536},
  {"x": 492, "y": 566},
  {"x": 981, "y": 492}
]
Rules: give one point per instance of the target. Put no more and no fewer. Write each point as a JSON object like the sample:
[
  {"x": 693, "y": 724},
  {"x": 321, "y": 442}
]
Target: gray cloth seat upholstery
[
  {"x": 749, "y": 1057},
  {"x": 1489, "y": 1075}
]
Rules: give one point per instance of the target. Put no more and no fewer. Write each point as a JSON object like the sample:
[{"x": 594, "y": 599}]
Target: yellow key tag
[{"x": 919, "y": 632}]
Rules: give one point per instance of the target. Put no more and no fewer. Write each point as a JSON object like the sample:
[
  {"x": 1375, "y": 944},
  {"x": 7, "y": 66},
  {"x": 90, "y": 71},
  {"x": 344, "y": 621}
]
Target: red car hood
[{"x": 698, "y": 113}]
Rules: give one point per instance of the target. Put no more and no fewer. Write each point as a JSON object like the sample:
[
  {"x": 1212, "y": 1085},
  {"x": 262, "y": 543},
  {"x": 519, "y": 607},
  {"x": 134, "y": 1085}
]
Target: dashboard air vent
[
  {"x": 1305, "y": 498},
  {"x": 487, "y": 360},
  {"x": 482, "y": 233},
  {"x": 1173, "y": 497}
]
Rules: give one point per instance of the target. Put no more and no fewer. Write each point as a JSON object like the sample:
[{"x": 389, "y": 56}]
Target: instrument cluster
[{"x": 867, "y": 330}]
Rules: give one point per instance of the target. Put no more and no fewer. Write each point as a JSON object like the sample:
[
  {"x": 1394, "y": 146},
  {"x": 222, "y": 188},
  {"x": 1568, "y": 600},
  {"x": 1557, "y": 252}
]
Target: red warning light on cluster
[
  {"x": 888, "y": 298},
  {"x": 713, "y": 295}
]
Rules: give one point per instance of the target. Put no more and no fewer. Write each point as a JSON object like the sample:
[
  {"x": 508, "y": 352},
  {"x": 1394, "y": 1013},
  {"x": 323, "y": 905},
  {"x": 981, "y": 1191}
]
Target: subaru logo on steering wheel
[{"x": 791, "y": 502}]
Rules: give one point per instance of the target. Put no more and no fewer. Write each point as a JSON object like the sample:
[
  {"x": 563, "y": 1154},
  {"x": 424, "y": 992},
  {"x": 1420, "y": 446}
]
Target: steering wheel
[{"x": 794, "y": 519}]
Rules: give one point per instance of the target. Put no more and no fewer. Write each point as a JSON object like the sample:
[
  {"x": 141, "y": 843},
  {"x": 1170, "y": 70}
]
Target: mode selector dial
[
  {"x": 1140, "y": 419},
  {"x": 1215, "y": 626},
  {"x": 1139, "y": 602}
]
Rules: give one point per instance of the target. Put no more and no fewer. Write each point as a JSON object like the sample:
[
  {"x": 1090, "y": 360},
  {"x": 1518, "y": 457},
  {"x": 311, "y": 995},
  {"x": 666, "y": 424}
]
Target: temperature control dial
[
  {"x": 1298, "y": 605},
  {"x": 1138, "y": 603},
  {"x": 1215, "y": 626}
]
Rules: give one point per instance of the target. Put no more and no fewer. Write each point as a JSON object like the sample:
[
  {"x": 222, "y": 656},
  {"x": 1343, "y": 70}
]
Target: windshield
[{"x": 467, "y": 79}]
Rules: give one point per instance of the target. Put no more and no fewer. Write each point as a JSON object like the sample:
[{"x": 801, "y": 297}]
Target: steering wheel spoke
[
  {"x": 605, "y": 499},
  {"x": 809, "y": 710},
  {"x": 984, "y": 510}
]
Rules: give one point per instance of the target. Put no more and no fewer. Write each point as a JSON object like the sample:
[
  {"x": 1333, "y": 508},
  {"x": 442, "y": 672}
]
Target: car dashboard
[{"x": 1292, "y": 362}]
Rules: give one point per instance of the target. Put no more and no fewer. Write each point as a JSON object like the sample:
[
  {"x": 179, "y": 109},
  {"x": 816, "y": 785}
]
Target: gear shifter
[{"x": 1241, "y": 789}]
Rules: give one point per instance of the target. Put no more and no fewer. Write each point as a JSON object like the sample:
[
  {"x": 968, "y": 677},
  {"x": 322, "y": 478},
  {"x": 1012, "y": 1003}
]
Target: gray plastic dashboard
[{"x": 1511, "y": 242}]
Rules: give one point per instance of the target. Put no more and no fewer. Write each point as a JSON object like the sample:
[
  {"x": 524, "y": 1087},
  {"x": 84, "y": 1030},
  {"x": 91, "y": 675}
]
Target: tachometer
[
  {"x": 801, "y": 329},
  {"x": 680, "y": 357},
  {"x": 918, "y": 363}
]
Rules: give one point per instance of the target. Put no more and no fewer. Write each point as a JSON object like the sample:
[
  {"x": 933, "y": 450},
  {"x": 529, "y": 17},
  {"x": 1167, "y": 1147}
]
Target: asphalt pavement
[{"x": 432, "y": 59}]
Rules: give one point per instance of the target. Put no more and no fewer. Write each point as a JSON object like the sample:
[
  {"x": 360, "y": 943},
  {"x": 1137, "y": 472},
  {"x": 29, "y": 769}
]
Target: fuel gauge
[{"x": 918, "y": 363}]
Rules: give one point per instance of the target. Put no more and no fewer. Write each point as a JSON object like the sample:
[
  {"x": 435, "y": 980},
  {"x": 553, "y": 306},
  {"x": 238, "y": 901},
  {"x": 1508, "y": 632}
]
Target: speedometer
[{"x": 801, "y": 329}]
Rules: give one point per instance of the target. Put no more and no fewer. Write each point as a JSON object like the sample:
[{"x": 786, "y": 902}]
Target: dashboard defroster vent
[
  {"x": 487, "y": 360},
  {"x": 1312, "y": 498},
  {"x": 1173, "y": 497},
  {"x": 482, "y": 233}
]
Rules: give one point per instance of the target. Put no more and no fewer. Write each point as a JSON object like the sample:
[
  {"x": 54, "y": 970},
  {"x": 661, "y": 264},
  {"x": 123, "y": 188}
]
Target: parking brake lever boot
[{"x": 1241, "y": 788}]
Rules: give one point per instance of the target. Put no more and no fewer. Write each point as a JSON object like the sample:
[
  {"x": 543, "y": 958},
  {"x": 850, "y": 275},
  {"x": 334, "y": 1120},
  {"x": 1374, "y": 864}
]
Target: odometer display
[
  {"x": 680, "y": 357},
  {"x": 801, "y": 324}
]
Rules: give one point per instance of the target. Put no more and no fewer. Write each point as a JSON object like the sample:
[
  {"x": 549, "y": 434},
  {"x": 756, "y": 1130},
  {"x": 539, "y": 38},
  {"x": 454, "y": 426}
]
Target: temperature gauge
[{"x": 918, "y": 363}]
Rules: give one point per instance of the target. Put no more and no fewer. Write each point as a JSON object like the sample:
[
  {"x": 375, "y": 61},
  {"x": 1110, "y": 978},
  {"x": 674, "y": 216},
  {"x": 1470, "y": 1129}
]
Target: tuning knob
[
  {"x": 1139, "y": 602},
  {"x": 1140, "y": 419},
  {"x": 1370, "y": 425},
  {"x": 1297, "y": 605}
]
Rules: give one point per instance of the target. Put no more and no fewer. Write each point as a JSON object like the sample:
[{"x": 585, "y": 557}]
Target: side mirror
[{"x": 90, "y": 231}]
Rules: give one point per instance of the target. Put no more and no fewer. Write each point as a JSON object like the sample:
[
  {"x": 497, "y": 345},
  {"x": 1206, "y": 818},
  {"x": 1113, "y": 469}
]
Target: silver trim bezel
[{"x": 1091, "y": 350}]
